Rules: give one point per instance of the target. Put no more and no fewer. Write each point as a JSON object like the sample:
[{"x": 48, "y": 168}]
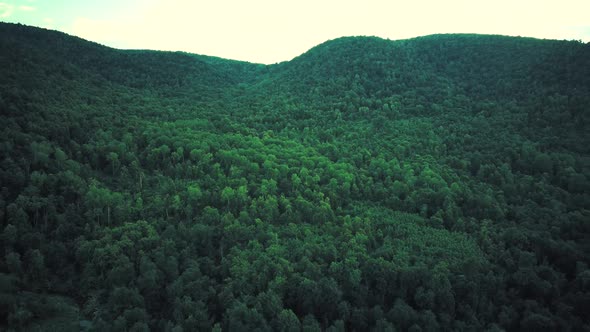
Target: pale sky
[{"x": 267, "y": 31}]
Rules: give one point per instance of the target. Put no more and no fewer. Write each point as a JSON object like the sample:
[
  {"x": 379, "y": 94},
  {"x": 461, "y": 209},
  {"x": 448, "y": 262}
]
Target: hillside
[{"x": 434, "y": 183}]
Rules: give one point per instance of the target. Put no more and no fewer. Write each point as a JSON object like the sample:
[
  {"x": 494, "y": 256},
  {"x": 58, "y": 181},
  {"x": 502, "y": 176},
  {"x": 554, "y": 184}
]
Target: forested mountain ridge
[
  {"x": 435, "y": 183},
  {"x": 470, "y": 61},
  {"x": 164, "y": 69}
]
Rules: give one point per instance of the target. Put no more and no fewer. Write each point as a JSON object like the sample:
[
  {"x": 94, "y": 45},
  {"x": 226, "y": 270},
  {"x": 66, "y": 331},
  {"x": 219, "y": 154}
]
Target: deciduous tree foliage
[{"x": 436, "y": 183}]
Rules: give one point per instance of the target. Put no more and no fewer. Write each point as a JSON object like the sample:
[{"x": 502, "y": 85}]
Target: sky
[{"x": 270, "y": 31}]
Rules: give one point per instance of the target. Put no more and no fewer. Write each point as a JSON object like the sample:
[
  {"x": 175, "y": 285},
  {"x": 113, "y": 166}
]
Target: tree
[
  {"x": 241, "y": 318},
  {"x": 113, "y": 157},
  {"x": 288, "y": 321},
  {"x": 310, "y": 324},
  {"x": 36, "y": 270},
  {"x": 101, "y": 199},
  {"x": 227, "y": 196},
  {"x": 13, "y": 263},
  {"x": 10, "y": 235}
]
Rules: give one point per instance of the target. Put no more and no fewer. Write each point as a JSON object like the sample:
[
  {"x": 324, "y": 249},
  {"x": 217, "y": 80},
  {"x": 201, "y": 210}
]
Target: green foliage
[{"x": 437, "y": 183}]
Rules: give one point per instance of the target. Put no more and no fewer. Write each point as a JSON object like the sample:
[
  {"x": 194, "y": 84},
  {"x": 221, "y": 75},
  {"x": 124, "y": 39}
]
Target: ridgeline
[{"x": 434, "y": 183}]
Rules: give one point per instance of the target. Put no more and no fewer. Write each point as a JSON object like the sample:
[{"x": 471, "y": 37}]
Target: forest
[{"x": 440, "y": 183}]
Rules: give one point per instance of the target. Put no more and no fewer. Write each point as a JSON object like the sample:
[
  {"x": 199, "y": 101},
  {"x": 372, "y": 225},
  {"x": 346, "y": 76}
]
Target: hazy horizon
[{"x": 267, "y": 32}]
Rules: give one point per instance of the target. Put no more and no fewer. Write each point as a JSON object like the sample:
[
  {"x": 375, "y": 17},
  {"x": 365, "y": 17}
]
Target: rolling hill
[{"x": 434, "y": 183}]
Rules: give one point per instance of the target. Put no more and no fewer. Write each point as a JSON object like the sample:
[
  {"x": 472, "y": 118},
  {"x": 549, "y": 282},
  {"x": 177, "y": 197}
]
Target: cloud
[
  {"x": 26, "y": 8},
  {"x": 6, "y": 9}
]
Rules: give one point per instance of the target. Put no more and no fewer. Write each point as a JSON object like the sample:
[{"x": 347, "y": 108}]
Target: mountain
[{"x": 434, "y": 183}]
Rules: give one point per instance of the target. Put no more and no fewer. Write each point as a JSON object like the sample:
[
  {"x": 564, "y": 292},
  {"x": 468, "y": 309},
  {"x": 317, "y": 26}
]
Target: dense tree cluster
[{"x": 436, "y": 183}]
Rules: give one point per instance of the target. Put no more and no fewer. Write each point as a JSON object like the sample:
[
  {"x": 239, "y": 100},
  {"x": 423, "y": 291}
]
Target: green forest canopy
[{"x": 435, "y": 183}]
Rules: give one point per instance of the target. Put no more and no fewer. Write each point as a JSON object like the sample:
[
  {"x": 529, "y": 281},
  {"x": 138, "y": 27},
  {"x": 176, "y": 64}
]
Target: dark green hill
[
  {"x": 491, "y": 67},
  {"x": 471, "y": 61},
  {"x": 434, "y": 183},
  {"x": 136, "y": 68}
]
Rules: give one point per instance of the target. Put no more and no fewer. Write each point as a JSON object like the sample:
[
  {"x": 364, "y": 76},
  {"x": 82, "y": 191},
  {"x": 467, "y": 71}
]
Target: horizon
[
  {"x": 265, "y": 32},
  {"x": 305, "y": 51}
]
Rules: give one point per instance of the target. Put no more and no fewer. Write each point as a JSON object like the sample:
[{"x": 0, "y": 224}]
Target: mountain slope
[
  {"x": 142, "y": 69},
  {"x": 435, "y": 183}
]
